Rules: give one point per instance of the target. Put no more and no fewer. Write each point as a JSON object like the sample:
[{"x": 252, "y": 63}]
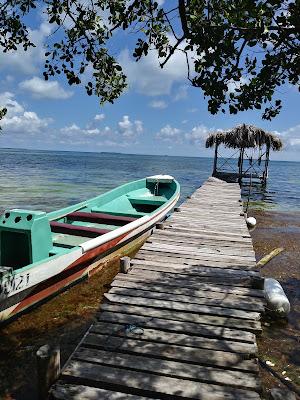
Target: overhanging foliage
[{"x": 238, "y": 51}]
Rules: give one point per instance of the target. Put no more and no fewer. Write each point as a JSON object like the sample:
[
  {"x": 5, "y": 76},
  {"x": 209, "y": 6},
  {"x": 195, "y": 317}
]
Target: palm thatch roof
[{"x": 243, "y": 136}]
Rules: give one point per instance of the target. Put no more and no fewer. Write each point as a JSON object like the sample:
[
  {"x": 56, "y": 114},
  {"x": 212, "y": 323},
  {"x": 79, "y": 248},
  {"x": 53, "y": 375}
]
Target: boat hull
[{"x": 22, "y": 293}]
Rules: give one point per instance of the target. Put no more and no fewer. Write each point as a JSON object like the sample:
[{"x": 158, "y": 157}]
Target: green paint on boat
[{"x": 26, "y": 239}]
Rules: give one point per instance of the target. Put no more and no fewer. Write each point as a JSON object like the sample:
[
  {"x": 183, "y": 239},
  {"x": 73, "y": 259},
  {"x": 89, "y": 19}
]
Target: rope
[{"x": 156, "y": 188}]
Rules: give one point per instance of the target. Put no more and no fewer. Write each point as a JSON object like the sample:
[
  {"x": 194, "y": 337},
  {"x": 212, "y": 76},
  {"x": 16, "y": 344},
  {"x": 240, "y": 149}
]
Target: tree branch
[
  {"x": 240, "y": 53},
  {"x": 172, "y": 51},
  {"x": 170, "y": 25},
  {"x": 182, "y": 15}
]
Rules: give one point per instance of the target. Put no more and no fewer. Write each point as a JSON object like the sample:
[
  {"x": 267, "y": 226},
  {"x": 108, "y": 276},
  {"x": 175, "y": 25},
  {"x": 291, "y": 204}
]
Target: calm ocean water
[{"x": 47, "y": 180}]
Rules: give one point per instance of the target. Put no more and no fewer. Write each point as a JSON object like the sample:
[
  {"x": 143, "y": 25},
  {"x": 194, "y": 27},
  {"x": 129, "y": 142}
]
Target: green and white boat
[{"x": 41, "y": 254}]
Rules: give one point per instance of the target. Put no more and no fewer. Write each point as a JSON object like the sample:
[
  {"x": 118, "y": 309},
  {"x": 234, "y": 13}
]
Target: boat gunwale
[{"x": 92, "y": 243}]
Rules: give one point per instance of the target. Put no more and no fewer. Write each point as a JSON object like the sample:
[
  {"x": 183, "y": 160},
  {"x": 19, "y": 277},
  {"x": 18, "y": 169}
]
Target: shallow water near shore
[
  {"x": 43, "y": 180},
  {"x": 280, "y": 340}
]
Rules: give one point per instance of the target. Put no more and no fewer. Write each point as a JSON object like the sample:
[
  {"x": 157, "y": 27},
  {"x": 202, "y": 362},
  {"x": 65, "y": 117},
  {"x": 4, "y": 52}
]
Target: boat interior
[{"x": 38, "y": 235}]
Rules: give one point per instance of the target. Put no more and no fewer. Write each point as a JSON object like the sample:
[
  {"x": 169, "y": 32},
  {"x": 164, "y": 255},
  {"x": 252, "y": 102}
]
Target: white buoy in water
[
  {"x": 251, "y": 221},
  {"x": 277, "y": 302}
]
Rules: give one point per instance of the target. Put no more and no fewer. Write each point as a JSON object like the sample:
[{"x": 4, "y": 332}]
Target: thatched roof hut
[{"x": 244, "y": 136}]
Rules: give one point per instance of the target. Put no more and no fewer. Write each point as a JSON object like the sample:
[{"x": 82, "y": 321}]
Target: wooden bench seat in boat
[
  {"x": 130, "y": 213},
  {"x": 100, "y": 218},
  {"x": 153, "y": 200},
  {"x": 76, "y": 230}
]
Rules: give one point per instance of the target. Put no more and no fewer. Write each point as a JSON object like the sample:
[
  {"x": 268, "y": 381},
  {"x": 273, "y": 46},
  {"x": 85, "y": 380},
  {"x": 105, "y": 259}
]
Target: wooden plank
[
  {"x": 223, "y": 302},
  {"x": 172, "y": 258},
  {"x": 209, "y": 227},
  {"x": 180, "y": 237},
  {"x": 216, "y": 320},
  {"x": 198, "y": 255},
  {"x": 247, "y": 350},
  {"x": 211, "y": 221},
  {"x": 200, "y": 205},
  {"x": 229, "y": 218},
  {"x": 186, "y": 243},
  {"x": 67, "y": 391},
  {"x": 214, "y": 244},
  {"x": 238, "y": 282},
  {"x": 227, "y": 278},
  {"x": 194, "y": 259},
  {"x": 164, "y": 366},
  {"x": 179, "y": 227},
  {"x": 166, "y": 351},
  {"x": 192, "y": 269},
  {"x": 224, "y": 241},
  {"x": 187, "y": 284},
  {"x": 202, "y": 238},
  {"x": 167, "y": 322},
  {"x": 142, "y": 383},
  {"x": 147, "y": 301},
  {"x": 211, "y": 251},
  {"x": 240, "y": 301}
]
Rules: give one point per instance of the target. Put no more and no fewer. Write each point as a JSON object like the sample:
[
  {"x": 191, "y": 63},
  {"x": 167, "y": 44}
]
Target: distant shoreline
[
  {"x": 18, "y": 149},
  {"x": 100, "y": 152}
]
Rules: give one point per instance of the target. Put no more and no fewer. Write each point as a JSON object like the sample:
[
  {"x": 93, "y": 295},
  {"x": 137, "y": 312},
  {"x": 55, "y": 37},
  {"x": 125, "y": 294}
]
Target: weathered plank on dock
[
  {"x": 147, "y": 384},
  {"x": 151, "y": 333},
  {"x": 181, "y": 323}
]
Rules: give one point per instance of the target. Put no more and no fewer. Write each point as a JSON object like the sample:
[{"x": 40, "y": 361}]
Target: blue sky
[{"x": 158, "y": 114}]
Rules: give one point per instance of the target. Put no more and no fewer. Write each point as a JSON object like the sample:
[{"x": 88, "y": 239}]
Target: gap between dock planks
[{"x": 182, "y": 323}]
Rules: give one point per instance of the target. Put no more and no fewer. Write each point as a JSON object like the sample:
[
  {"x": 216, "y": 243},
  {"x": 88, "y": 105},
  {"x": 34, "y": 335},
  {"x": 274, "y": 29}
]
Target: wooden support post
[
  {"x": 160, "y": 225},
  {"x": 257, "y": 282},
  {"x": 48, "y": 369},
  {"x": 241, "y": 162},
  {"x": 125, "y": 266},
  {"x": 215, "y": 160},
  {"x": 266, "y": 171}
]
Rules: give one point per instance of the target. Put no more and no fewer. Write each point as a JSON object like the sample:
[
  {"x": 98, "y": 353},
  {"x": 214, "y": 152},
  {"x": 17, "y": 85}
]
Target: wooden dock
[{"x": 181, "y": 324}]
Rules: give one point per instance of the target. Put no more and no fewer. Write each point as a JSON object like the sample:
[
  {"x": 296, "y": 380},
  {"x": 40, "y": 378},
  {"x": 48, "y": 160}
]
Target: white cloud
[
  {"x": 41, "y": 89},
  {"x": 147, "y": 77},
  {"x": 27, "y": 62},
  {"x": 8, "y": 79},
  {"x": 123, "y": 135},
  {"x": 74, "y": 130},
  {"x": 29, "y": 123},
  {"x": 232, "y": 85},
  {"x": 18, "y": 120},
  {"x": 71, "y": 129},
  {"x": 130, "y": 129},
  {"x": 197, "y": 135},
  {"x": 168, "y": 133},
  {"x": 160, "y": 104},
  {"x": 13, "y": 107},
  {"x": 291, "y": 137},
  {"x": 181, "y": 93},
  {"x": 99, "y": 117}
]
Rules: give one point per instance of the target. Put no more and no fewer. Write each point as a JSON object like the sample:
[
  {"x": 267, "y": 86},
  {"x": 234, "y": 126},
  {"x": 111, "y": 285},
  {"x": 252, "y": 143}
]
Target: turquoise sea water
[{"x": 48, "y": 180}]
